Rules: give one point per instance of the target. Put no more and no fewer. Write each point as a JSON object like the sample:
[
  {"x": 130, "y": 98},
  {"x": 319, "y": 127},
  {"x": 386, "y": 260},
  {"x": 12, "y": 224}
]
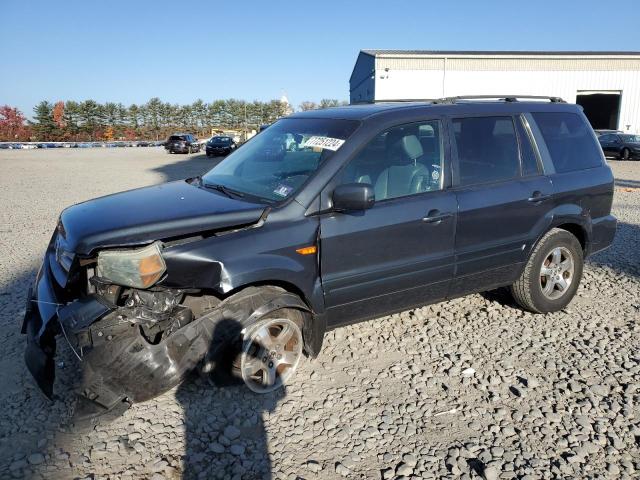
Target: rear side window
[
  {"x": 569, "y": 141},
  {"x": 487, "y": 149}
]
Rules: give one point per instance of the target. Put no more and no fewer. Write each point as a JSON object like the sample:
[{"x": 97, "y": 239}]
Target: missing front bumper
[{"x": 118, "y": 365}]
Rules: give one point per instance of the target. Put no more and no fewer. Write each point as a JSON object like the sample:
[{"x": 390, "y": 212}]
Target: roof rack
[
  {"x": 405, "y": 100},
  {"x": 506, "y": 98}
]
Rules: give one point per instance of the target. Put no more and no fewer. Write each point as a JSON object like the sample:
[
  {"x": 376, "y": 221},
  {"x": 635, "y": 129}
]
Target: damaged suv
[{"x": 326, "y": 218}]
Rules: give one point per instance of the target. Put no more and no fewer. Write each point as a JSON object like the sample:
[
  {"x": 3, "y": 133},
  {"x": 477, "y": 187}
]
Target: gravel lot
[{"x": 554, "y": 396}]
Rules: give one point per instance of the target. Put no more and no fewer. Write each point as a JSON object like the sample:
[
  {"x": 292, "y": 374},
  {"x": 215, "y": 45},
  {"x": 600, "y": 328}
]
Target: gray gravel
[{"x": 470, "y": 388}]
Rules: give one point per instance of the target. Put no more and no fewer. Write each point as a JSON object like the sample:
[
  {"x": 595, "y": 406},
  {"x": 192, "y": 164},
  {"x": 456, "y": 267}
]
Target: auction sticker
[
  {"x": 283, "y": 190},
  {"x": 324, "y": 142}
]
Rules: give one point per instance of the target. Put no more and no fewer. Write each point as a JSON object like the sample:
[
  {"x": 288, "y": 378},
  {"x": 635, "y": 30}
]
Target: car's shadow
[
  {"x": 624, "y": 183},
  {"x": 622, "y": 258},
  {"x": 186, "y": 166},
  {"x": 221, "y": 432}
]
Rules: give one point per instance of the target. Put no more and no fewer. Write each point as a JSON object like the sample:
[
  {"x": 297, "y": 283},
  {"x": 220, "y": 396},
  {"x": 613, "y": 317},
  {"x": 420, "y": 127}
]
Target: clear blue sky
[{"x": 129, "y": 51}]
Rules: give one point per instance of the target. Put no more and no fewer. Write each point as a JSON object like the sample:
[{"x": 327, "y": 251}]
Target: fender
[
  {"x": 313, "y": 328},
  {"x": 561, "y": 215}
]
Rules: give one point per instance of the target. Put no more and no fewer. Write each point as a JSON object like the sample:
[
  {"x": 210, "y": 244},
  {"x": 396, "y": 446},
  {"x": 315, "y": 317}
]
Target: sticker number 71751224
[{"x": 324, "y": 142}]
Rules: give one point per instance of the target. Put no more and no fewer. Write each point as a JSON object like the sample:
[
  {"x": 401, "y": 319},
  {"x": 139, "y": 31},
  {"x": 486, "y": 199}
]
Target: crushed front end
[{"x": 132, "y": 342}]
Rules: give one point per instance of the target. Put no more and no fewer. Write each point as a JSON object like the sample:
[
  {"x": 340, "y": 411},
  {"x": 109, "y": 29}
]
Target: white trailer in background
[{"x": 606, "y": 84}]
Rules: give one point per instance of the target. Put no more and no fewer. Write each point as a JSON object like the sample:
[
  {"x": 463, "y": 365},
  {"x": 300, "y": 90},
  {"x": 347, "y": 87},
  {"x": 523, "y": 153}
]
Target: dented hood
[{"x": 151, "y": 213}]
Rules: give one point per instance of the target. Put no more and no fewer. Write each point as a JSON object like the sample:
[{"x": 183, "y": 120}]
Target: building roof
[{"x": 527, "y": 53}]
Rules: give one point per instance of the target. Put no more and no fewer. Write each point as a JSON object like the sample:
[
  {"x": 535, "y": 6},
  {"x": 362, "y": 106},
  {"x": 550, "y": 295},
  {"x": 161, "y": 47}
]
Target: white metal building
[{"x": 606, "y": 84}]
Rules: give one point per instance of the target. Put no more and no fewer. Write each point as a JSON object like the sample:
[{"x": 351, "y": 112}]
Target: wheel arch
[
  {"x": 578, "y": 231},
  {"x": 287, "y": 295}
]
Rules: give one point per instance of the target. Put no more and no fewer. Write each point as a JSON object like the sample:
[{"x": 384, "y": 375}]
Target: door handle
[
  {"x": 537, "y": 197},
  {"x": 434, "y": 216}
]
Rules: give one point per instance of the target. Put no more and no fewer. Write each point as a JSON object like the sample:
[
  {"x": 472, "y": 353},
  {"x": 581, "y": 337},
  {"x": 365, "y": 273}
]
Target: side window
[
  {"x": 569, "y": 140},
  {"x": 401, "y": 161},
  {"x": 606, "y": 138},
  {"x": 527, "y": 153},
  {"x": 487, "y": 149}
]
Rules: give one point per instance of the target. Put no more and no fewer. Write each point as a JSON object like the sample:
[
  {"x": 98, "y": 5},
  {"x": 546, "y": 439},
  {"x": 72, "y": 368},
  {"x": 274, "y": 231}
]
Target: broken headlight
[{"x": 139, "y": 268}]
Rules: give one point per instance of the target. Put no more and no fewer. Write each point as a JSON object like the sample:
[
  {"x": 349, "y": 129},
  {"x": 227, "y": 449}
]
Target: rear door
[
  {"x": 610, "y": 144},
  {"x": 399, "y": 253},
  {"x": 503, "y": 199}
]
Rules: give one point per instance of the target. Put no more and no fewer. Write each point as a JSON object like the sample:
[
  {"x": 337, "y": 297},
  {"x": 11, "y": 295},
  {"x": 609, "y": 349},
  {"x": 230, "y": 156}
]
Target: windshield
[
  {"x": 273, "y": 165},
  {"x": 220, "y": 140},
  {"x": 631, "y": 138},
  {"x": 177, "y": 138}
]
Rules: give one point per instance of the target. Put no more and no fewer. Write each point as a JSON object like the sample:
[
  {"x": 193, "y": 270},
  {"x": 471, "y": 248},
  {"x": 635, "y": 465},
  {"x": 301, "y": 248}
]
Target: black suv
[
  {"x": 361, "y": 211},
  {"x": 182, "y": 143},
  {"x": 623, "y": 146},
  {"x": 220, "y": 145}
]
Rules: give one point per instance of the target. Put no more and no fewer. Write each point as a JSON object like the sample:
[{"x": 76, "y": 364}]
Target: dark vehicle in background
[
  {"x": 182, "y": 143},
  {"x": 601, "y": 131},
  {"x": 326, "y": 218},
  {"x": 220, "y": 145},
  {"x": 622, "y": 146}
]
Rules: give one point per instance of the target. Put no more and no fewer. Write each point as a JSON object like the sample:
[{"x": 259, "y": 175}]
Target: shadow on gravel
[
  {"x": 621, "y": 182},
  {"x": 224, "y": 421},
  {"x": 28, "y": 421},
  {"x": 624, "y": 255},
  {"x": 186, "y": 166}
]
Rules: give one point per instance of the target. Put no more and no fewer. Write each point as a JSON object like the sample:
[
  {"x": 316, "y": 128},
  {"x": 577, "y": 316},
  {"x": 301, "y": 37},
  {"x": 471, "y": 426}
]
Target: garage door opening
[{"x": 601, "y": 108}]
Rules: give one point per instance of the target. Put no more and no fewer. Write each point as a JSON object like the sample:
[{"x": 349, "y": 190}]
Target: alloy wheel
[
  {"x": 556, "y": 273},
  {"x": 271, "y": 352}
]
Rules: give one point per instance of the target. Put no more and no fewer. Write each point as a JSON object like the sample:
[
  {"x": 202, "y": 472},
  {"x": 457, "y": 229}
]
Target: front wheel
[
  {"x": 263, "y": 353},
  {"x": 271, "y": 352},
  {"x": 552, "y": 274}
]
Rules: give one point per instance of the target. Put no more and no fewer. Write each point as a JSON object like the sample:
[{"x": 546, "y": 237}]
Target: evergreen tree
[{"x": 43, "y": 125}]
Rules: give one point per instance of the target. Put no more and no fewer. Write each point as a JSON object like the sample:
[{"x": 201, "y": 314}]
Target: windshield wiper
[{"x": 226, "y": 190}]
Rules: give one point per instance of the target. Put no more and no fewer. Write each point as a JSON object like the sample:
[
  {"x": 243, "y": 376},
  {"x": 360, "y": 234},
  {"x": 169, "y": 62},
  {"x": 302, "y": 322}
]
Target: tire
[
  {"x": 223, "y": 365},
  {"x": 625, "y": 154},
  {"x": 540, "y": 287}
]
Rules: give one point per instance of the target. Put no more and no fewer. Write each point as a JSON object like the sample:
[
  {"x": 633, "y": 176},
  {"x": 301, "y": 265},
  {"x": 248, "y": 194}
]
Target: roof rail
[
  {"x": 405, "y": 100},
  {"x": 506, "y": 98}
]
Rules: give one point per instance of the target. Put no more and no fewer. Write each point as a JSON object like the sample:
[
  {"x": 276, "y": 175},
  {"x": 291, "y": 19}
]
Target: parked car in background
[
  {"x": 220, "y": 145},
  {"x": 182, "y": 143},
  {"x": 601, "y": 131},
  {"x": 622, "y": 146}
]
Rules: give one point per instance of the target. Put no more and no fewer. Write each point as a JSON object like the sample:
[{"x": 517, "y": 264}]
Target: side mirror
[{"x": 353, "y": 196}]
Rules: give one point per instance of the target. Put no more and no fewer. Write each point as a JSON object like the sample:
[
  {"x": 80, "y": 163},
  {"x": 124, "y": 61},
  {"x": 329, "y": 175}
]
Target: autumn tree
[
  {"x": 12, "y": 124},
  {"x": 58, "y": 114}
]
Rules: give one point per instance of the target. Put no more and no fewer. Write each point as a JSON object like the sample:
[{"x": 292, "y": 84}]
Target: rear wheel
[
  {"x": 625, "y": 154},
  {"x": 552, "y": 274}
]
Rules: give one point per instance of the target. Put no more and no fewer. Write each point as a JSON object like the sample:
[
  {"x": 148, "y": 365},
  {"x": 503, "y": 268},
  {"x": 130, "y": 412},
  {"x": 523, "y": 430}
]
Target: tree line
[{"x": 89, "y": 120}]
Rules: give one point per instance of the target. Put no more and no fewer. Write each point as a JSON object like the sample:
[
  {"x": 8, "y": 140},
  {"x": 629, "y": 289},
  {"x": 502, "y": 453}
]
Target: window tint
[
  {"x": 606, "y": 138},
  {"x": 569, "y": 140},
  {"x": 527, "y": 153},
  {"x": 487, "y": 149},
  {"x": 401, "y": 161}
]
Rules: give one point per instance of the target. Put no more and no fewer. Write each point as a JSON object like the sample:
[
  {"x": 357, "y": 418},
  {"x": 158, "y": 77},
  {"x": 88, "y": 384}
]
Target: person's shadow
[{"x": 224, "y": 420}]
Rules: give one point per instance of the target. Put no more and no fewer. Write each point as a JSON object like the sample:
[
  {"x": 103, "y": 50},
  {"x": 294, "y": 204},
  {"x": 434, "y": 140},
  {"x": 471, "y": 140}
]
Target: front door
[{"x": 399, "y": 253}]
